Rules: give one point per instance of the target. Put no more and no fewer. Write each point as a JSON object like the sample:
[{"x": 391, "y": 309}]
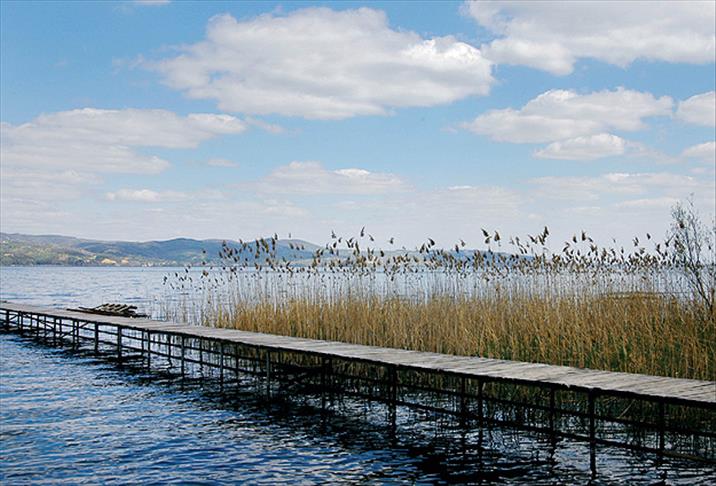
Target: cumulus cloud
[
  {"x": 552, "y": 36},
  {"x": 105, "y": 140},
  {"x": 323, "y": 64},
  {"x": 61, "y": 157},
  {"x": 705, "y": 152},
  {"x": 563, "y": 114},
  {"x": 311, "y": 178},
  {"x": 146, "y": 195},
  {"x": 699, "y": 109},
  {"x": 584, "y": 148}
]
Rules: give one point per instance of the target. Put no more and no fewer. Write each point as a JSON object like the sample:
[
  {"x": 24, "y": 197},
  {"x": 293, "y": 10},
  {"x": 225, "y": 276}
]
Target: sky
[{"x": 160, "y": 119}]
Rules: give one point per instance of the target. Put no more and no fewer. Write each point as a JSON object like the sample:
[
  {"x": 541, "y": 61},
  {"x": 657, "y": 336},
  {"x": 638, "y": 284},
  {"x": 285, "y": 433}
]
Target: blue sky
[{"x": 152, "y": 120}]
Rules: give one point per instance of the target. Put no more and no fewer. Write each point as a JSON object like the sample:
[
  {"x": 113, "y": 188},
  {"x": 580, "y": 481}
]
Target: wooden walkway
[{"x": 677, "y": 391}]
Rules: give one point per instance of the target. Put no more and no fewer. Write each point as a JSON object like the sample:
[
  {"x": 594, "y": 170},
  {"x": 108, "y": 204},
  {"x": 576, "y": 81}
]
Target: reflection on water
[{"x": 71, "y": 417}]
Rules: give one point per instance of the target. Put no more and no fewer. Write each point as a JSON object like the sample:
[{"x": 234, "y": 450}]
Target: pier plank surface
[{"x": 678, "y": 390}]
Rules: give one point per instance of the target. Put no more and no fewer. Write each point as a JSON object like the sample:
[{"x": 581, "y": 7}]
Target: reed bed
[
  {"x": 638, "y": 333},
  {"x": 649, "y": 309}
]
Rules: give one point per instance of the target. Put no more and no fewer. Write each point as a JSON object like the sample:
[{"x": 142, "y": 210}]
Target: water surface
[{"x": 70, "y": 416}]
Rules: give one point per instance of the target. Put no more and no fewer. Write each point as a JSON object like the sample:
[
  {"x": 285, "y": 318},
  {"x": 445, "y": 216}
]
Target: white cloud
[
  {"x": 311, "y": 178},
  {"x": 146, "y": 195},
  {"x": 699, "y": 109},
  {"x": 323, "y": 64},
  {"x": 104, "y": 140},
  {"x": 703, "y": 151},
  {"x": 58, "y": 158},
  {"x": 552, "y": 35},
  {"x": 584, "y": 148},
  {"x": 562, "y": 114}
]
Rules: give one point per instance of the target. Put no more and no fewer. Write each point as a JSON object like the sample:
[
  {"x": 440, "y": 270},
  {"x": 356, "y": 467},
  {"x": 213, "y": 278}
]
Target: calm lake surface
[{"x": 69, "y": 416}]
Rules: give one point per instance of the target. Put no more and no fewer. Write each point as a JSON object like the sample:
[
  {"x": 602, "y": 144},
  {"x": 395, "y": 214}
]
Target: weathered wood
[{"x": 678, "y": 390}]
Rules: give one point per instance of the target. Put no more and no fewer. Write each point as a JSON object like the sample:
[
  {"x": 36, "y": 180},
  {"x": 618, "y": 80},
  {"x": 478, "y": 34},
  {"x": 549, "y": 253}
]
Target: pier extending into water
[{"x": 582, "y": 404}]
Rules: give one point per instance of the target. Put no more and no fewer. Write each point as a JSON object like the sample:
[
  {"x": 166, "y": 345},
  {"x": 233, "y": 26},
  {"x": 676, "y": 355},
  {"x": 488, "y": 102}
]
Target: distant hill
[{"x": 20, "y": 249}]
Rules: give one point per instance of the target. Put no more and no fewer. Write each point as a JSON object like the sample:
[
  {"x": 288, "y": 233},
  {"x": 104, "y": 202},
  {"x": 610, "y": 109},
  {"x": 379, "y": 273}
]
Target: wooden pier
[{"x": 388, "y": 375}]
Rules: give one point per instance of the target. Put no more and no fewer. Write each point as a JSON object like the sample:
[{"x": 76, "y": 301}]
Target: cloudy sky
[{"x": 158, "y": 119}]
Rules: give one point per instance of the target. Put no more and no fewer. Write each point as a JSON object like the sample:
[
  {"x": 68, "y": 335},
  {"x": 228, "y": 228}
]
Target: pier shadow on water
[{"x": 76, "y": 416}]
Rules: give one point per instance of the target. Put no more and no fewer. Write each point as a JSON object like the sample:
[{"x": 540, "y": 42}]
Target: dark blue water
[{"x": 72, "y": 417}]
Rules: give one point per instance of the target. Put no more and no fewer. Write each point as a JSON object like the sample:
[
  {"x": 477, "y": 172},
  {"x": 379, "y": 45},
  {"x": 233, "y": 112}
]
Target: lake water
[{"x": 69, "y": 416}]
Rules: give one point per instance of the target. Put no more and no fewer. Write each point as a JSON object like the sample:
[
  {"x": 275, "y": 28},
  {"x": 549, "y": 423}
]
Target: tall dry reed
[{"x": 586, "y": 306}]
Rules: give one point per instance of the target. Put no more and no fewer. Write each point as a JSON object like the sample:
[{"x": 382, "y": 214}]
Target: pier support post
[
  {"x": 182, "y": 356},
  {"x": 323, "y": 382},
  {"x": 393, "y": 398},
  {"x": 662, "y": 426},
  {"x": 463, "y": 402},
  {"x": 221, "y": 364},
  {"x": 201, "y": 355},
  {"x": 592, "y": 433},
  {"x": 268, "y": 374},
  {"x": 119, "y": 345},
  {"x": 96, "y": 338},
  {"x": 480, "y": 403},
  {"x": 551, "y": 411},
  {"x": 237, "y": 364},
  {"x": 170, "y": 346},
  {"x": 149, "y": 350}
]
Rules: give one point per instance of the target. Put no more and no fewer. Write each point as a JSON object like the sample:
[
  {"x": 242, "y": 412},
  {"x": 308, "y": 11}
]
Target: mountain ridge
[{"x": 24, "y": 249}]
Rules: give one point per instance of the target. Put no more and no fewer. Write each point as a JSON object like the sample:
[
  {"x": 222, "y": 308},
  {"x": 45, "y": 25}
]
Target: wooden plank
[{"x": 534, "y": 373}]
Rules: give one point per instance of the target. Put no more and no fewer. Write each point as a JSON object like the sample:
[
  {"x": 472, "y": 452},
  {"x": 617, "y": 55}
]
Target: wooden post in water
[
  {"x": 149, "y": 350},
  {"x": 268, "y": 374},
  {"x": 236, "y": 364},
  {"x": 323, "y": 382},
  {"x": 463, "y": 402},
  {"x": 592, "y": 433},
  {"x": 182, "y": 355},
  {"x": 221, "y": 364},
  {"x": 393, "y": 397},
  {"x": 329, "y": 379},
  {"x": 480, "y": 402},
  {"x": 169, "y": 349},
  {"x": 201, "y": 355},
  {"x": 119, "y": 345},
  {"x": 662, "y": 426},
  {"x": 551, "y": 409},
  {"x": 96, "y": 338}
]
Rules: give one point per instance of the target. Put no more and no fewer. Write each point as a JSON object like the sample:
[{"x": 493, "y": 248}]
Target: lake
[{"x": 69, "y": 416}]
